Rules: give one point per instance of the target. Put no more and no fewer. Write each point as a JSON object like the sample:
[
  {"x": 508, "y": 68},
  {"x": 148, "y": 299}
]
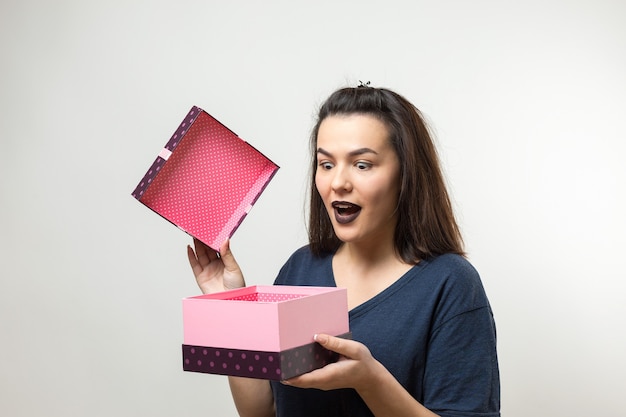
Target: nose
[{"x": 341, "y": 180}]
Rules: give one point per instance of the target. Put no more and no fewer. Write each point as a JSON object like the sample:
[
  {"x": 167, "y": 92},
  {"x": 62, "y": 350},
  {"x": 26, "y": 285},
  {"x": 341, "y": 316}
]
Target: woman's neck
[
  {"x": 368, "y": 254},
  {"x": 366, "y": 271}
]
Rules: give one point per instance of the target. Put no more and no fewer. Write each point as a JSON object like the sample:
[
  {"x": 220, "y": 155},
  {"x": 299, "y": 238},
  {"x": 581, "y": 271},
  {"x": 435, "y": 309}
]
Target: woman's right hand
[{"x": 214, "y": 272}]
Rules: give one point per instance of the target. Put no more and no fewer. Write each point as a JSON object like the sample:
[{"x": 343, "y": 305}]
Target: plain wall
[{"x": 527, "y": 102}]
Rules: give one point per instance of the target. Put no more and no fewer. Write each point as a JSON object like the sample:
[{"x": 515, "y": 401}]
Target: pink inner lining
[
  {"x": 266, "y": 297},
  {"x": 209, "y": 182}
]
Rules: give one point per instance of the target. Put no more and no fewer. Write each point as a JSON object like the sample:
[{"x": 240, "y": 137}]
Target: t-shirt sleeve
[
  {"x": 289, "y": 269},
  {"x": 302, "y": 268},
  {"x": 461, "y": 377}
]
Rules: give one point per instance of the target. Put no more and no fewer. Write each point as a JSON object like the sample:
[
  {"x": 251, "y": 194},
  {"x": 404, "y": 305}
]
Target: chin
[{"x": 346, "y": 237}]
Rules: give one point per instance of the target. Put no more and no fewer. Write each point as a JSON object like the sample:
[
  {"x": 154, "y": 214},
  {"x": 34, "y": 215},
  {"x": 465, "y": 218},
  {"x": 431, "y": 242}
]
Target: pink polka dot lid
[{"x": 206, "y": 179}]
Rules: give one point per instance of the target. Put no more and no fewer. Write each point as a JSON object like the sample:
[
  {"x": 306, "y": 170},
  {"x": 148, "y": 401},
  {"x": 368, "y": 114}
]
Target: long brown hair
[{"x": 426, "y": 225}]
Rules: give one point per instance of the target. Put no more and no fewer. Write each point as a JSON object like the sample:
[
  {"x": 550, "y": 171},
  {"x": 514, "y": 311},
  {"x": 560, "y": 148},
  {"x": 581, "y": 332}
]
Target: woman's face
[{"x": 358, "y": 177}]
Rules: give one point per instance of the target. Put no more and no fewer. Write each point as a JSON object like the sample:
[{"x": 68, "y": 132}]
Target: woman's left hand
[{"x": 356, "y": 367}]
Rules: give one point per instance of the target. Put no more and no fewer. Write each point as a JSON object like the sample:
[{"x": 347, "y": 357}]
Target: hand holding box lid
[
  {"x": 213, "y": 273},
  {"x": 206, "y": 179}
]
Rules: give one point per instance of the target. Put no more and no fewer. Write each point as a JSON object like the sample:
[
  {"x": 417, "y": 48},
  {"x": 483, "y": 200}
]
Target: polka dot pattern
[
  {"x": 276, "y": 366},
  {"x": 166, "y": 152},
  {"x": 266, "y": 297},
  {"x": 210, "y": 181}
]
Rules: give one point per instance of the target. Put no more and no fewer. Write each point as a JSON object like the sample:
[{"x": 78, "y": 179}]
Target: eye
[
  {"x": 362, "y": 165},
  {"x": 325, "y": 165}
]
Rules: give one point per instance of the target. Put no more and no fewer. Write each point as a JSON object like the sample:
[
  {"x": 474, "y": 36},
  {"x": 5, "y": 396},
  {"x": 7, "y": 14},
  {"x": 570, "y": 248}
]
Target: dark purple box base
[{"x": 276, "y": 366}]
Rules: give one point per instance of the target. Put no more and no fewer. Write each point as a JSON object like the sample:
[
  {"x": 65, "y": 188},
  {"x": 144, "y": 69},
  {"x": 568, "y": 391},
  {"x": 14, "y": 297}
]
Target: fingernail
[{"x": 320, "y": 338}]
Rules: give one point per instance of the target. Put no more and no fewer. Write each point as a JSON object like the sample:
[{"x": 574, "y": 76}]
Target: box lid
[{"x": 206, "y": 179}]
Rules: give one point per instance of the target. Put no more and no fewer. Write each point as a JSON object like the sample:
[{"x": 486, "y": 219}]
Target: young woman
[{"x": 381, "y": 225}]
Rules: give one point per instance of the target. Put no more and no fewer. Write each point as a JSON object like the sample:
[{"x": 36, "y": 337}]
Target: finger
[
  {"x": 193, "y": 261},
  {"x": 348, "y": 348},
  {"x": 322, "y": 378},
  {"x": 204, "y": 254},
  {"x": 230, "y": 264}
]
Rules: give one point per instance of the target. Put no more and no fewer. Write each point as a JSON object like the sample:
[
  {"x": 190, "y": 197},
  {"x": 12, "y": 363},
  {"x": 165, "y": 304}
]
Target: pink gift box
[
  {"x": 206, "y": 179},
  {"x": 262, "y": 331}
]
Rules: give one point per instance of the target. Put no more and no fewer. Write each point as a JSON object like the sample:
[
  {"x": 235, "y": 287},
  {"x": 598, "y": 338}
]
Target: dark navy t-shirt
[{"x": 433, "y": 329}]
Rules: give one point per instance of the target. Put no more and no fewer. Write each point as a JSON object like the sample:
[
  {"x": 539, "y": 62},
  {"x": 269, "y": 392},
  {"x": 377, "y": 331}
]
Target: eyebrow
[{"x": 355, "y": 152}]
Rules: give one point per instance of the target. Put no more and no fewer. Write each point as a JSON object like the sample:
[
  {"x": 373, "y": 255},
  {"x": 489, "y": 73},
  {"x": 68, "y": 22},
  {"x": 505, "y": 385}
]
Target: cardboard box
[
  {"x": 206, "y": 179},
  {"x": 262, "y": 331}
]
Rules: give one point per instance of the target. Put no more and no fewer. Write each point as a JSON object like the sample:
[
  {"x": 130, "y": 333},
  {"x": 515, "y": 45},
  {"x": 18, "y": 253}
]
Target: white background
[{"x": 527, "y": 100}]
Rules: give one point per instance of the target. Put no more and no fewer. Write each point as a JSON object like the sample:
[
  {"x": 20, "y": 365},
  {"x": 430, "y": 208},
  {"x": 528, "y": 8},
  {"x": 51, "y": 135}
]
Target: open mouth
[{"x": 345, "y": 212}]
